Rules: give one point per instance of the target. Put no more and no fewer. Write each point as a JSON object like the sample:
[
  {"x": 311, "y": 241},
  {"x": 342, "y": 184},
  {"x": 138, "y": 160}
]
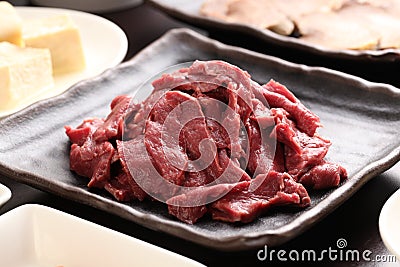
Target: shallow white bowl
[
  {"x": 98, "y": 6},
  {"x": 34, "y": 235},
  {"x": 5, "y": 194},
  {"x": 389, "y": 224}
]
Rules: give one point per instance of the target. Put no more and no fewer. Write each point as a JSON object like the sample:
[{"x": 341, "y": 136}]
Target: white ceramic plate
[
  {"x": 34, "y": 235},
  {"x": 104, "y": 43},
  {"x": 389, "y": 224},
  {"x": 5, "y": 194}
]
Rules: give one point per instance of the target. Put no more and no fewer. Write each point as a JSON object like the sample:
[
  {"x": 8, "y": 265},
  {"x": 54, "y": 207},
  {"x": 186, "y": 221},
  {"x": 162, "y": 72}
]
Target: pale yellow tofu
[
  {"x": 24, "y": 72},
  {"x": 62, "y": 37},
  {"x": 10, "y": 24}
]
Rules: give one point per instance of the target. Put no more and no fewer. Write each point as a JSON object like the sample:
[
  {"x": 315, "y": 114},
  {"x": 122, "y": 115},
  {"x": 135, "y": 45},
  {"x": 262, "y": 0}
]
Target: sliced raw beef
[
  {"x": 324, "y": 175},
  {"x": 242, "y": 204},
  {"x": 124, "y": 188},
  {"x": 278, "y": 96},
  {"x": 84, "y": 131},
  {"x": 87, "y": 157},
  {"x": 92, "y": 160},
  {"x": 113, "y": 124},
  {"x": 208, "y": 140}
]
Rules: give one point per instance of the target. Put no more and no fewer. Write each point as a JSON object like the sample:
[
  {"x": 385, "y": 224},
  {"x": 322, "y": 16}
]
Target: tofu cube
[
  {"x": 62, "y": 37},
  {"x": 10, "y": 24},
  {"x": 24, "y": 72}
]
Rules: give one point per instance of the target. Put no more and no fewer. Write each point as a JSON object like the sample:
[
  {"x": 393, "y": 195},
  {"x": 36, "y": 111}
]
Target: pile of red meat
[{"x": 115, "y": 153}]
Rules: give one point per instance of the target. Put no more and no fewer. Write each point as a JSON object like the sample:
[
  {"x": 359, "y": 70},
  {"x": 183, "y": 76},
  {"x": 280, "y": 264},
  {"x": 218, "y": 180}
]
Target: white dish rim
[
  {"x": 38, "y": 211},
  {"x": 5, "y": 194},
  {"x": 384, "y": 218}
]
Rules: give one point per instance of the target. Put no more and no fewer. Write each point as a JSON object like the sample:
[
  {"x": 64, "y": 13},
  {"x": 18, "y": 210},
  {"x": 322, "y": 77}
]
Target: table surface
[{"x": 356, "y": 221}]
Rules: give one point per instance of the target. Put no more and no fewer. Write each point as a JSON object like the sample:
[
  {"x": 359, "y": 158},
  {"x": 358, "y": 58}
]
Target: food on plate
[
  {"x": 24, "y": 72},
  {"x": 236, "y": 11},
  {"x": 296, "y": 8},
  {"x": 61, "y": 36},
  {"x": 354, "y": 26},
  {"x": 208, "y": 140},
  {"x": 278, "y": 16},
  {"x": 381, "y": 19},
  {"x": 342, "y": 33},
  {"x": 334, "y": 24},
  {"x": 10, "y": 24}
]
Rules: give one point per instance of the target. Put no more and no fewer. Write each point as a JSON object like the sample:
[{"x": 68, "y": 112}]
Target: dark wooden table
[{"x": 356, "y": 221}]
